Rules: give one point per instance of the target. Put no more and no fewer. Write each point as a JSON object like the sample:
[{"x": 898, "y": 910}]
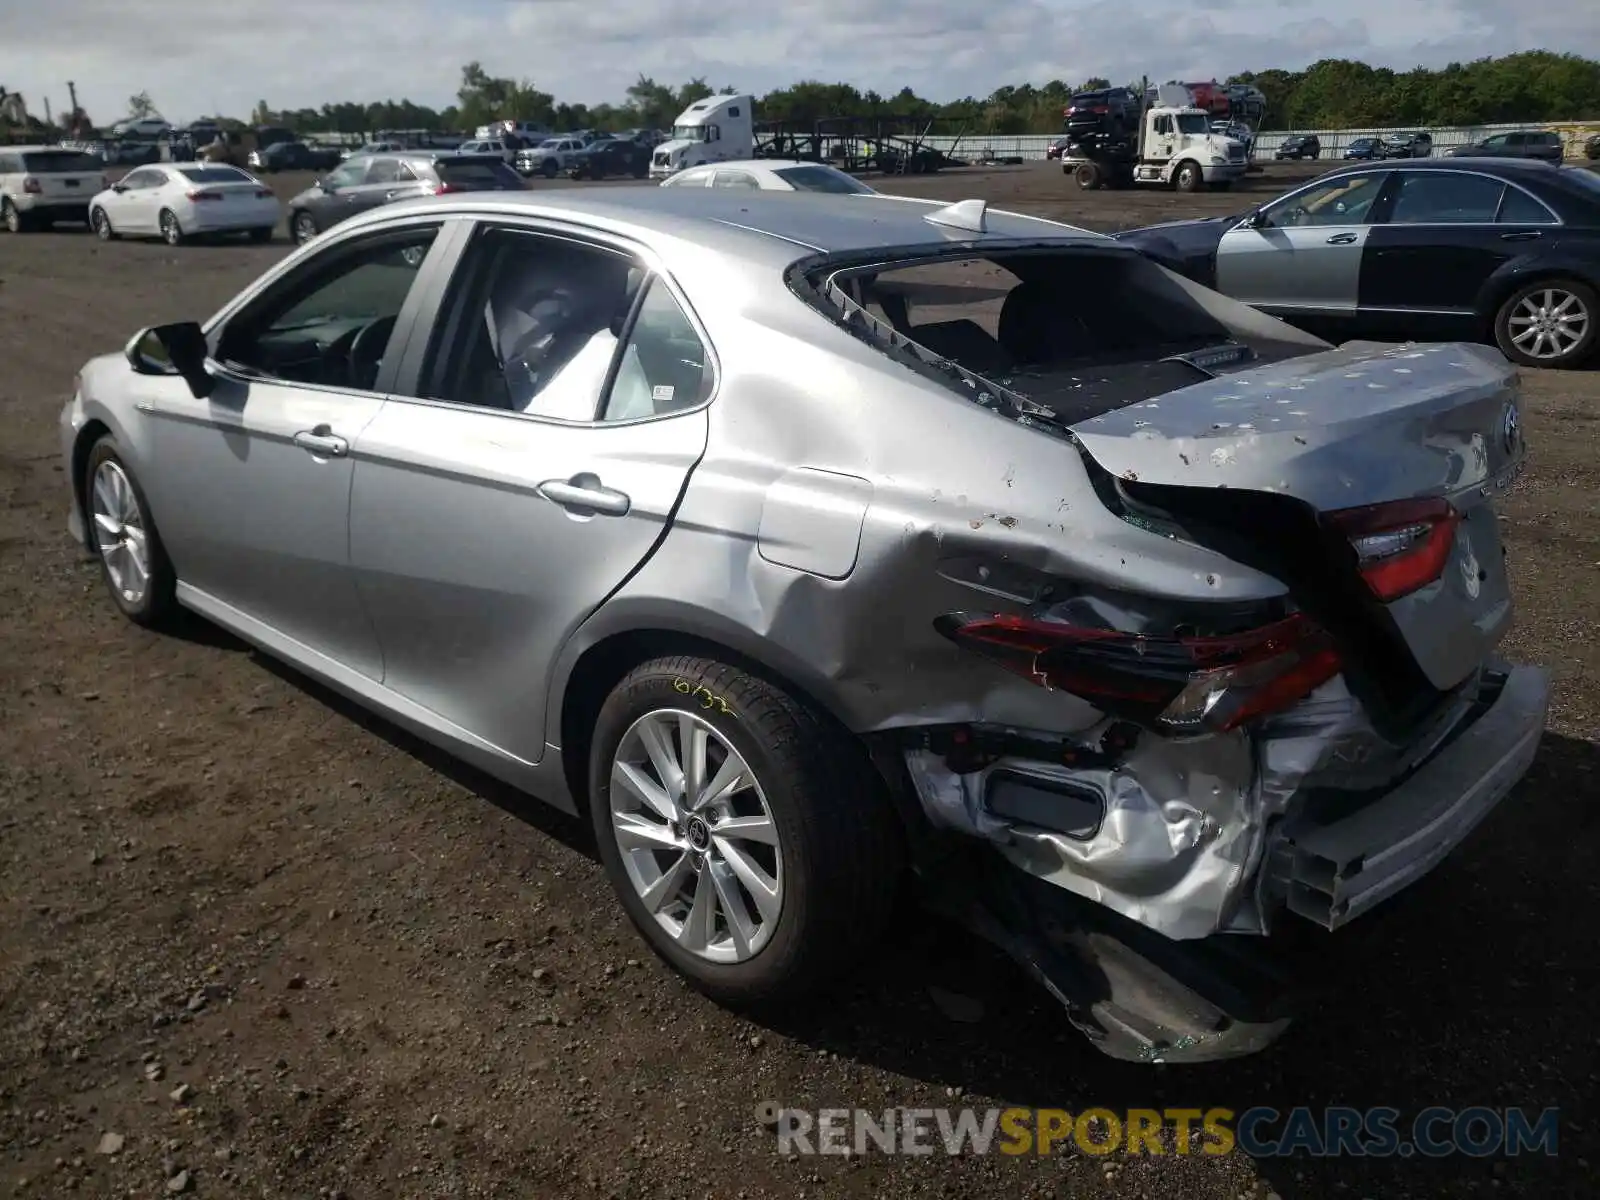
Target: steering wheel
[
  {"x": 352, "y": 358},
  {"x": 366, "y": 352}
]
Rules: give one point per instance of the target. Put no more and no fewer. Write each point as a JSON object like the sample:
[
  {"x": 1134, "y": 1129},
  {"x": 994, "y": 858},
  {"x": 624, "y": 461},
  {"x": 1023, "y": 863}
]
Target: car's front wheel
[
  {"x": 102, "y": 225},
  {"x": 302, "y": 228},
  {"x": 133, "y": 561},
  {"x": 549, "y": 168},
  {"x": 747, "y": 836},
  {"x": 1188, "y": 178},
  {"x": 1549, "y": 323}
]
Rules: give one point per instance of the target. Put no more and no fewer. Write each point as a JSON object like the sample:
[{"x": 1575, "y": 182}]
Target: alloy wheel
[
  {"x": 1549, "y": 324},
  {"x": 119, "y": 532},
  {"x": 696, "y": 836},
  {"x": 102, "y": 226},
  {"x": 170, "y": 230}
]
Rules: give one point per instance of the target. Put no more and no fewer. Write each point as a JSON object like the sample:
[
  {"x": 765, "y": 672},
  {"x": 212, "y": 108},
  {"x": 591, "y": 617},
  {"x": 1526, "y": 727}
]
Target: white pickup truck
[{"x": 550, "y": 157}]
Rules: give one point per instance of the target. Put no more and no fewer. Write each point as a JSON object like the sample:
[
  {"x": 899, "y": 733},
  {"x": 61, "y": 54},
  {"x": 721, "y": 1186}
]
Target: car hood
[{"x": 1188, "y": 236}]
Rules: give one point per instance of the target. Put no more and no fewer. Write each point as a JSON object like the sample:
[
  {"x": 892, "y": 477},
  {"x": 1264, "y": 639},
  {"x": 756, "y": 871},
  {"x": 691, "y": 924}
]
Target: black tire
[
  {"x": 1188, "y": 177},
  {"x": 171, "y": 231},
  {"x": 840, "y": 851},
  {"x": 302, "y": 227},
  {"x": 549, "y": 168},
  {"x": 14, "y": 218},
  {"x": 1580, "y": 351},
  {"x": 261, "y": 235},
  {"x": 158, "y": 604},
  {"x": 1087, "y": 176},
  {"x": 101, "y": 224}
]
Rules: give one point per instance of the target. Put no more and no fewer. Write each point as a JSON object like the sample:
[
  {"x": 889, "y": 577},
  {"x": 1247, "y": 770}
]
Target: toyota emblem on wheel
[{"x": 1510, "y": 428}]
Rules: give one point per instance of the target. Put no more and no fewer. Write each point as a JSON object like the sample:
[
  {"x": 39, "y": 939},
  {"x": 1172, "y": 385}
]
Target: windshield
[
  {"x": 550, "y": 144},
  {"x": 1193, "y": 123},
  {"x": 689, "y": 133},
  {"x": 214, "y": 175},
  {"x": 821, "y": 179},
  {"x": 58, "y": 162}
]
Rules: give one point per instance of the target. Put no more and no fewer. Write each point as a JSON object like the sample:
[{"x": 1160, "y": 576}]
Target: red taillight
[
  {"x": 1401, "y": 547},
  {"x": 441, "y": 188},
  {"x": 32, "y": 185},
  {"x": 205, "y": 195},
  {"x": 1177, "y": 683}
]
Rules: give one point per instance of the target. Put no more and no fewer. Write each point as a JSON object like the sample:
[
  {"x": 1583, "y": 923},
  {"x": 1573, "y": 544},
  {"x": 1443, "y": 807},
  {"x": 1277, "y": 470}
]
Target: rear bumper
[
  {"x": 1338, "y": 869},
  {"x": 229, "y": 222}
]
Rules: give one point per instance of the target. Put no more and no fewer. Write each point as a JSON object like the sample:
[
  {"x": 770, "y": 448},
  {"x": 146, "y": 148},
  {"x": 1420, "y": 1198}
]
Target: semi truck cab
[{"x": 716, "y": 129}]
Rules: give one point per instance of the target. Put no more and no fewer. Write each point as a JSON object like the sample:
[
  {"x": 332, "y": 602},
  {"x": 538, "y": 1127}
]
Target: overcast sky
[{"x": 197, "y": 57}]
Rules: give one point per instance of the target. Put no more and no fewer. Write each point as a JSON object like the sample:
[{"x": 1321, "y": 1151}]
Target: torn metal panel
[{"x": 1175, "y": 844}]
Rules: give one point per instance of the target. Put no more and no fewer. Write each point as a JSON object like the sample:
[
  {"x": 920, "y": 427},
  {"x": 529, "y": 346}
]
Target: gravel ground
[{"x": 256, "y": 943}]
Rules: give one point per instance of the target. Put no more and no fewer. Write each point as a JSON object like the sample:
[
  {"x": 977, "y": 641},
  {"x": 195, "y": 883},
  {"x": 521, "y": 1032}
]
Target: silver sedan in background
[{"x": 813, "y": 545}]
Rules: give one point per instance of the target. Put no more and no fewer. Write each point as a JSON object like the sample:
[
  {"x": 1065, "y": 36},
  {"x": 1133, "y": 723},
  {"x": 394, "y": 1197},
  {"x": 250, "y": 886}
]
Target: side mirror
[
  {"x": 177, "y": 349},
  {"x": 119, "y": 187},
  {"x": 1254, "y": 219}
]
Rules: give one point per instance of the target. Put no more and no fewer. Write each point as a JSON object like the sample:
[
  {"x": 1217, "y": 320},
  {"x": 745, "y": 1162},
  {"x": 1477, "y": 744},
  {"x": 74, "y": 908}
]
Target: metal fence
[{"x": 1334, "y": 141}]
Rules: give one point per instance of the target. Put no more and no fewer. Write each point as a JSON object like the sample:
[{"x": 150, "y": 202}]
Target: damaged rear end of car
[{"x": 1227, "y": 773}]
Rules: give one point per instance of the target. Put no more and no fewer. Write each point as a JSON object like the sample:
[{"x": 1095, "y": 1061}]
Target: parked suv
[
  {"x": 40, "y": 185},
  {"x": 1110, "y": 111},
  {"x": 361, "y": 184},
  {"x": 1298, "y": 146},
  {"x": 1530, "y": 143},
  {"x": 1406, "y": 145}
]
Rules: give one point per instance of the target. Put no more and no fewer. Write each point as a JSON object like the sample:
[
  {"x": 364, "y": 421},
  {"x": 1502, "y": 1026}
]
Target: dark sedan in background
[
  {"x": 1527, "y": 143},
  {"x": 1298, "y": 146},
  {"x": 1364, "y": 148},
  {"x": 293, "y": 156},
  {"x": 611, "y": 156},
  {"x": 360, "y": 184},
  {"x": 1498, "y": 250}
]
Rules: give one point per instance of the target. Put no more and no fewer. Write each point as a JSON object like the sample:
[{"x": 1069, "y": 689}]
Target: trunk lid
[
  {"x": 1362, "y": 425},
  {"x": 63, "y": 174}
]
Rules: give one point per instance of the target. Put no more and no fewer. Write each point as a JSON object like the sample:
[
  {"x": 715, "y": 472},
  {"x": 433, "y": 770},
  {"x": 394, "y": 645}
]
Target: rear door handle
[
  {"x": 1522, "y": 235},
  {"x": 322, "y": 442},
  {"x": 584, "y": 495},
  {"x": 1341, "y": 239}
]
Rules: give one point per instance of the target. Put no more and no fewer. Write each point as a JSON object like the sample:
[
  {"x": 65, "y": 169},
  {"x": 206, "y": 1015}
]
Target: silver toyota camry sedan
[{"x": 820, "y": 546}]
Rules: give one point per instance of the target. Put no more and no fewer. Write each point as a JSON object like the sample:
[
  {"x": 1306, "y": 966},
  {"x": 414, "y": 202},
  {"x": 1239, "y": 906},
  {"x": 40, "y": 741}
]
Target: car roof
[
  {"x": 1488, "y": 165},
  {"x": 731, "y": 220}
]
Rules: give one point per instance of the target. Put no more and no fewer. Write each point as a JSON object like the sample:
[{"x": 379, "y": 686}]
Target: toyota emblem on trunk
[{"x": 1510, "y": 428}]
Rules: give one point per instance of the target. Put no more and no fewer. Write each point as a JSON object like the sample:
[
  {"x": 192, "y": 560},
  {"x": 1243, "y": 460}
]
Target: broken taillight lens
[
  {"x": 1402, "y": 546},
  {"x": 1182, "y": 684}
]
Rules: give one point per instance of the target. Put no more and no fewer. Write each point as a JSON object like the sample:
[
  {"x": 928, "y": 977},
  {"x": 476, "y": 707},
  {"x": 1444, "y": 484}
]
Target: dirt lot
[{"x": 279, "y": 949}]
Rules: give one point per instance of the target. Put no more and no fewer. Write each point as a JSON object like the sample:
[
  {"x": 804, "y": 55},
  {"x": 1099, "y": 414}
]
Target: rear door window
[{"x": 1445, "y": 198}]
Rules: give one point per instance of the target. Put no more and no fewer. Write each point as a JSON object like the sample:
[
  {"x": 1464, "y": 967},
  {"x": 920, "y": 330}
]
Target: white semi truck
[
  {"x": 716, "y": 129},
  {"x": 1160, "y": 138}
]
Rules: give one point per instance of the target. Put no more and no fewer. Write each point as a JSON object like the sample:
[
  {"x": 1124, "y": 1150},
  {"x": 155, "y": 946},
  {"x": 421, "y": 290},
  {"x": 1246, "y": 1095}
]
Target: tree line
[{"x": 1532, "y": 87}]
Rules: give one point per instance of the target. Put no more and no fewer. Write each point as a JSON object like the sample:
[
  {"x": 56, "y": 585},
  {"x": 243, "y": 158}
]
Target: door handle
[
  {"x": 323, "y": 442},
  {"x": 583, "y": 495},
  {"x": 1341, "y": 239},
  {"x": 1522, "y": 235}
]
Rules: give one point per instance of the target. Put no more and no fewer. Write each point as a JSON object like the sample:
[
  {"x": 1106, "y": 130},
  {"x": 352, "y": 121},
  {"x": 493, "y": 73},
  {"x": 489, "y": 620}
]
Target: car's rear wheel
[
  {"x": 1549, "y": 323},
  {"x": 133, "y": 561},
  {"x": 1087, "y": 176},
  {"x": 102, "y": 225},
  {"x": 746, "y": 835},
  {"x": 302, "y": 228},
  {"x": 15, "y": 219},
  {"x": 171, "y": 231},
  {"x": 549, "y": 168}
]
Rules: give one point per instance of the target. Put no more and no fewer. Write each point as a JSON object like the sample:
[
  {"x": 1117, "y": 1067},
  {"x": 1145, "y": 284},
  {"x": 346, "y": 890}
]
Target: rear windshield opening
[
  {"x": 1080, "y": 330},
  {"x": 60, "y": 162}
]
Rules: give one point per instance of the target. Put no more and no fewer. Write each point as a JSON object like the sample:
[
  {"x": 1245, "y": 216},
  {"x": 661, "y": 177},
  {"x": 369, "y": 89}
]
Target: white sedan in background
[
  {"x": 771, "y": 175},
  {"x": 178, "y": 201}
]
